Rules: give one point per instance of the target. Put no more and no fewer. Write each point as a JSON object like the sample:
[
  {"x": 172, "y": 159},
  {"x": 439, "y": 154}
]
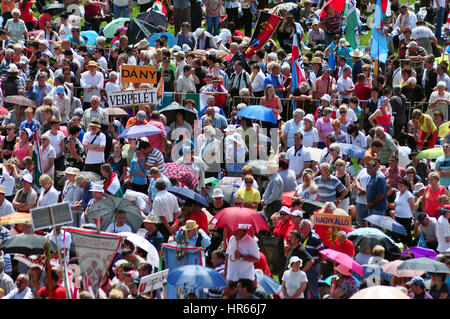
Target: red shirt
[
  {"x": 91, "y": 10},
  {"x": 58, "y": 293},
  {"x": 362, "y": 91},
  {"x": 200, "y": 218},
  {"x": 156, "y": 140},
  {"x": 262, "y": 264},
  {"x": 281, "y": 230},
  {"x": 347, "y": 248}
]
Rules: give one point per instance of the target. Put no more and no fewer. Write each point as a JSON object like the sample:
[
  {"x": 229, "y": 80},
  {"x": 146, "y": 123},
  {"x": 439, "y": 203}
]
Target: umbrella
[
  {"x": 93, "y": 177},
  {"x": 111, "y": 28},
  {"x": 328, "y": 280},
  {"x": 228, "y": 192},
  {"x": 421, "y": 252},
  {"x": 431, "y": 153},
  {"x": 20, "y": 100},
  {"x": 258, "y": 112},
  {"x": 352, "y": 150},
  {"x": 310, "y": 206},
  {"x": 116, "y": 111},
  {"x": 141, "y": 242},
  {"x": 171, "y": 40},
  {"x": 139, "y": 30},
  {"x": 270, "y": 285},
  {"x": 337, "y": 5},
  {"x": 392, "y": 268},
  {"x": 387, "y": 222},
  {"x": 371, "y": 241},
  {"x": 140, "y": 131},
  {"x": 368, "y": 231},
  {"x": 286, "y": 200},
  {"x": 107, "y": 208},
  {"x": 3, "y": 110},
  {"x": 425, "y": 264},
  {"x": 380, "y": 292},
  {"x": 171, "y": 110},
  {"x": 343, "y": 259},
  {"x": 15, "y": 218},
  {"x": 315, "y": 153},
  {"x": 195, "y": 277},
  {"x": 26, "y": 244},
  {"x": 34, "y": 260},
  {"x": 444, "y": 129},
  {"x": 183, "y": 174},
  {"x": 187, "y": 193},
  {"x": 235, "y": 218},
  {"x": 53, "y": 6},
  {"x": 91, "y": 37},
  {"x": 154, "y": 17},
  {"x": 259, "y": 167},
  {"x": 288, "y": 6}
]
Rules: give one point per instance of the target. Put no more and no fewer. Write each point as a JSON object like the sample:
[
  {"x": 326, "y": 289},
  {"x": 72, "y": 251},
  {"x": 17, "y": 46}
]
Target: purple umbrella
[
  {"x": 140, "y": 131},
  {"x": 421, "y": 252}
]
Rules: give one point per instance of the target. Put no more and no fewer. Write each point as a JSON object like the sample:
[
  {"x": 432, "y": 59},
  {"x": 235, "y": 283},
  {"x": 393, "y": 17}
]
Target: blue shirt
[
  {"x": 37, "y": 94},
  {"x": 444, "y": 165},
  {"x": 375, "y": 186},
  {"x": 138, "y": 180},
  {"x": 33, "y": 126},
  {"x": 326, "y": 189},
  {"x": 87, "y": 195},
  {"x": 277, "y": 83},
  {"x": 151, "y": 188}
]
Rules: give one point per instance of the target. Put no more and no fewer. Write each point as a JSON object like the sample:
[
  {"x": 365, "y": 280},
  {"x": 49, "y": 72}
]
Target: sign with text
[
  {"x": 153, "y": 281},
  {"x": 138, "y": 74},
  {"x": 332, "y": 220},
  {"x": 41, "y": 218},
  {"x": 132, "y": 97}
]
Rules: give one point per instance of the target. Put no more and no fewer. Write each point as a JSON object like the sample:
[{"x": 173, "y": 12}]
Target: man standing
[
  {"x": 325, "y": 84},
  {"x": 94, "y": 142},
  {"x": 291, "y": 127},
  {"x": 376, "y": 190},
  {"x": 181, "y": 13},
  {"x": 165, "y": 208},
  {"x": 298, "y": 156},
  {"x": 271, "y": 199},
  {"x": 394, "y": 173},
  {"x": 328, "y": 186},
  {"x": 92, "y": 82},
  {"x": 389, "y": 148},
  {"x": 154, "y": 157},
  {"x": 443, "y": 230},
  {"x": 442, "y": 166},
  {"x": 345, "y": 85},
  {"x": 94, "y": 112}
]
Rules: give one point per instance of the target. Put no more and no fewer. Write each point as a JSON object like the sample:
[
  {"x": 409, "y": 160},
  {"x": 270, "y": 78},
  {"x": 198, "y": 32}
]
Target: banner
[
  {"x": 298, "y": 71},
  {"x": 138, "y": 74},
  {"x": 95, "y": 252},
  {"x": 351, "y": 30},
  {"x": 332, "y": 220},
  {"x": 132, "y": 97},
  {"x": 265, "y": 27},
  {"x": 153, "y": 281}
]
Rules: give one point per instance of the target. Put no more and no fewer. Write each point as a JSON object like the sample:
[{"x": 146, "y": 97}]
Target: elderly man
[
  {"x": 291, "y": 127},
  {"x": 21, "y": 291},
  {"x": 94, "y": 111},
  {"x": 187, "y": 80},
  {"x": 92, "y": 82},
  {"x": 345, "y": 85},
  {"x": 376, "y": 190},
  {"x": 325, "y": 84},
  {"x": 192, "y": 236},
  {"x": 6, "y": 282},
  {"x": 204, "y": 40},
  {"x": 389, "y": 148},
  {"x": 394, "y": 173},
  {"x": 271, "y": 199},
  {"x": 94, "y": 142},
  {"x": 165, "y": 209},
  {"x": 6, "y": 207},
  {"x": 416, "y": 54},
  {"x": 344, "y": 245},
  {"x": 440, "y": 100},
  {"x": 426, "y": 226},
  {"x": 41, "y": 88},
  {"x": 26, "y": 197},
  {"x": 275, "y": 79},
  {"x": 328, "y": 186},
  {"x": 218, "y": 120}
]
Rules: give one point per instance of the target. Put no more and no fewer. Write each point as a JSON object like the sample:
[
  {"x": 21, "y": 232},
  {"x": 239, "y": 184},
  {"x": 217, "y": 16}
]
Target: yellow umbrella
[
  {"x": 444, "y": 129},
  {"x": 15, "y": 218}
]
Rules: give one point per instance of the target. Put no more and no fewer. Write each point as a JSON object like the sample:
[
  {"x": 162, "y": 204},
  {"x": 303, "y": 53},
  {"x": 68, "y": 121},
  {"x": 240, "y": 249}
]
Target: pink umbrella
[
  {"x": 392, "y": 268},
  {"x": 343, "y": 259}
]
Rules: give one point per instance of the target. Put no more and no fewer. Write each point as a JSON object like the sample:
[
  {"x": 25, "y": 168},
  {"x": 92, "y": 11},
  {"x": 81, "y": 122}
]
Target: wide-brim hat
[
  {"x": 13, "y": 68},
  {"x": 317, "y": 60},
  {"x": 190, "y": 225},
  {"x": 92, "y": 63},
  {"x": 357, "y": 53},
  {"x": 95, "y": 122},
  {"x": 151, "y": 219},
  {"x": 72, "y": 170},
  {"x": 217, "y": 193},
  {"x": 97, "y": 188}
]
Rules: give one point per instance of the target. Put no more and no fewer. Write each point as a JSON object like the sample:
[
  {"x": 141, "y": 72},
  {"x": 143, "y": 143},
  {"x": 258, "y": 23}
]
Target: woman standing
[
  {"x": 342, "y": 174},
  {"x": 23, "y": 146},
  {"x": 8, "y": 143},
  {"x": 138, "y": 174},
  {"x": 74, "y": 150},
  {"x": 57, "y": 140},
  {"x": 324, "y": 126},
  {"x": 382, "y": 115},
  {"x": 310, "y": 133},
  {"x": 337, "y": 131},
  {"x": 49, "y": 194},
  {"x": 27, "y": 13},
  {"x": 404, "y": 206},
  {"x": 428, "y": 131},
  {"x": 271, "y": 100},
  {"x": 343, "y": 118},
  {"x": 48, "y": 156},
  {"x": 16, "y": 27},
  {"x": 50, "y": 36},
  {"x": 118, "y": 163},
  {"x": 307, "y": 189},
  {"x": 432, "y": 193},
  {"x": 294, "y": 280}
]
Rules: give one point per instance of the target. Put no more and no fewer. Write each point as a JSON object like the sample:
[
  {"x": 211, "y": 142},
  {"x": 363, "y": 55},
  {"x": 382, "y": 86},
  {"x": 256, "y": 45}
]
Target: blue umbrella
[
  {"x": 270, "y": 285},
  {"x": 388, "y": 223},
  {"x": 171, "y": 40},
  {"x": 328, "y": 280},
  {"x": 373, "y": 271},
  {"x": 91, "y": 36},
  {"x": 352, "y": 150},
  {"x": 258, "y": 112},
  {"x": 195, "y": 277},
  {"x": 187, "y": 193},
  {"x": 140, "y": 131}
]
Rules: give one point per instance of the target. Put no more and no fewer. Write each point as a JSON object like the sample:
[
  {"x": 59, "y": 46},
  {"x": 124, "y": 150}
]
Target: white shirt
[
  {"x": 441, "y": 3},
  {"x": 47, "y": 154},
  {"x": 402, "y": 207},
  {"x": 397, "y": 77},
  {"x": 297, "y": 159},
  {"x": 113, "y": 228},
  {"x": 49, "y": 198},
  {"x": 422, "y": 32},
  {"x": 310, "y": 137},
  {"x": 111, "y": 87},
  {"x": 360, "y": 139},
  {"x": 141, "y": 199},
  {"x": 64, "y": 240},
  {"x": 27, "y": 293},
  {"x": 165, "y": 205},
  {"x": 6, "y": 208},
  {"x": 442, "y": 231},
  {"x": 342, "y": 85},
  {"x": 186, "y": 84},
  {"x": 8, "y": 182},
  {"x": 238, "y": 269},
  {"x": 55, "y": 140},
  {"x": 293, "y": 281},
  {"x": 363, "y": 178},
  {"x": 258, "y": 82},
  {"x": 94, "y": 157},
  {"x": 65, "y": 31},
  {"x": 88, "y": 80}
]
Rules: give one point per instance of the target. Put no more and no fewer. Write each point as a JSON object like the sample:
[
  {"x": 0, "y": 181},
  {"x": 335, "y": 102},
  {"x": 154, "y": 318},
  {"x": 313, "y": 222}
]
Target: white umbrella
[
  {"x": 34, "y": 261},
  {"x": 380, "y": 292},
  {"x": 141, "y": 242},
  {"x": 315, "y": 153}
]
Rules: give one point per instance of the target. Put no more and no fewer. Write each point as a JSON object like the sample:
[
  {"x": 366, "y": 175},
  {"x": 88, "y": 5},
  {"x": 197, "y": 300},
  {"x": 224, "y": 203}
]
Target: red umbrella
[
  {"x": 20, "y": 100},
  {"x": 338, "y": 6},
  {"x": 235, "y": 218},
  {"x": 287, "y": 198},
  {"x": 343, "y": 259},
  {"x": 184, "y": 174}
]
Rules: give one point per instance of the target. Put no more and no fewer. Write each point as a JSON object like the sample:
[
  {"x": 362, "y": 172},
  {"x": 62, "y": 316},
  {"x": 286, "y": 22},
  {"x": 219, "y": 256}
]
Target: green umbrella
[
  {"x": 111, "y": 28},
  {"x": 431, "y": 153}
]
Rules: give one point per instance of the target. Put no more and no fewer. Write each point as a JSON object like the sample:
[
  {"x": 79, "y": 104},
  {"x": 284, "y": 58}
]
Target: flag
[
  {"x": 379, "y": 49},
  {"x": 160, "y": 88},
  {"x": 382, "y": 10},
  {"x": 95, "y": 252},
  {"x": 352, "y": 23},
  {"x": 265, "y": 27},
  {"x": 298, "y": 72},
  {"x": 158, "y": 6},
  {"x": 112, "y": 185},
  {"x": 338, "y": 6},
  {"x": 68, "y": 282},
  {"x": 37, "y": 159}
]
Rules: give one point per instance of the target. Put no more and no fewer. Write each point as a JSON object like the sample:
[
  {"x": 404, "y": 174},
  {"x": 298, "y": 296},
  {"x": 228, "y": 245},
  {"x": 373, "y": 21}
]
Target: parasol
[{"x": 183, "y": 174}]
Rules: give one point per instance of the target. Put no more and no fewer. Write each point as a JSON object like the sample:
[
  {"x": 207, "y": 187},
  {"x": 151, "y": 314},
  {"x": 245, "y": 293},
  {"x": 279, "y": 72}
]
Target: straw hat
[
  {"x": 95, "y": 122},
  {"x": 190, "y": 225},
  {"x": 151, "y": 219},
  {"x": 92, "y": 63},
  {"x": 357, "y": 53},
  {"x": 317, "y": 60}
]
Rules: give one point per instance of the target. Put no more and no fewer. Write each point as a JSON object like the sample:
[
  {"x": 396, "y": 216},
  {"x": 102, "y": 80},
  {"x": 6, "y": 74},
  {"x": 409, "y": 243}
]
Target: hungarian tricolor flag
[
  {"x": 37, "y": 159},
  {"x": 265, "y": 26},
  {"x": 112, "y": 185},
  {"x": 298, "y": 72},
  {"x": 158, "y": 6},
  {"x": 351, "y": 32},
  {"x": 160, "y": 88}
]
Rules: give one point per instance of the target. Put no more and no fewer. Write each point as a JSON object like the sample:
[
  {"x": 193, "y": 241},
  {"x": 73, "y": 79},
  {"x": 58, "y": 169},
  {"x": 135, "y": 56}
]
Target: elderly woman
[
  {"x": 382, "y": 115},
  {"x": 310, "y": 133},
  {"x": 209, "y": 150},
  {"x": 49, "y": 195},
  {"x": 335, "y": 151},
  {"x": 439, "y": 100},
  {"x": 342, "y": 174},
  {"x": 294, "y": 280},
  {"x": 71, "y": 193},
  {"x": 195, "y": 163},
  {"x": 16, "y": 27},
  {"x": 48, "y": 156},
  {"x": 344, "y": 286}
]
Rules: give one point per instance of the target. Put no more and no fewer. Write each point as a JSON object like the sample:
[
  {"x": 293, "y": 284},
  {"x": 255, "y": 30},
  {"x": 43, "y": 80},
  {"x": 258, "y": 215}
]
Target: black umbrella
[
  {"x": 170, "y": 113},
  {"x": 310, "y": 206},
  {"x": 228, "y": 192},
  {"x": 186, "y": 193},
  {"x": 154, "y": 18},
  {"x": 138, "y": 30},
  {"x": 26, "y": 244}
]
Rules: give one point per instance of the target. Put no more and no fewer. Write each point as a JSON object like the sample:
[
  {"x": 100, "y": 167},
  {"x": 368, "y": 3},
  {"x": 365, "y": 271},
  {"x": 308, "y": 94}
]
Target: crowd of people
[{"x": 348, "y": 139}]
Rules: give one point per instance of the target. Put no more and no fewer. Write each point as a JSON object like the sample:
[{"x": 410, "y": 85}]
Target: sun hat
[
  {"x": 343, "y": 270},
  {"x": 95, "y": 122},
  {"x": 151, "y": 219},
  {"x": 72, "y": 170},
  {"x": 416, "y": 281},
  {"x": 309, "y": 117},
  {"x": 92, "y": 63},
  {"x": 13, "y": 68},
  {"x": 199, "y": 31},
  {"x": 27, "y": 178},
  {"x": 285, "y": 210},
  {"x": 2, "y": 190},
  {"x": 418, "y": 187},
  {"x": 190, "y": 225},
  {"x": 97, "y": 188},
  {"x": 297, "y": 213},
  {"x": 317, "y": 60},
  {"x": 217, "y": 193},
  {"x": 26, "y": 129},
  {"x": 326, "y": 97},
  {"x": 357, "y": 53},
  {"x": 230, "y": 128},
  {"x": 294, "y": 259}
]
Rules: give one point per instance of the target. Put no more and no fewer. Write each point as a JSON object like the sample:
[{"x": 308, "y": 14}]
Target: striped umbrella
[
  {"x": 184, "y": 174},
  {"x": 15, "y": 218}
]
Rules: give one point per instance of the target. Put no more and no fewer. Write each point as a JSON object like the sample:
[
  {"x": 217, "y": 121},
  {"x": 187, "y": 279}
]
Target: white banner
[
  {"x": 95, "y": 252},
  {"x": 153, "y": 281},
  {"x": 132, "y": 97}
]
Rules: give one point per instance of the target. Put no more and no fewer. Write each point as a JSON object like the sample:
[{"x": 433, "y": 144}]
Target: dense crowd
[{"x": 356, "y": 138}]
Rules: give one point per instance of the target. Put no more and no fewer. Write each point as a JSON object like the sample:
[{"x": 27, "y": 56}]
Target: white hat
[
  {"x": 212, "y": 52},
  {"x": 13, "y": 68},
  {"x": 230, "y": 128},
  {"x": 199, "y": 31},
  {"x": 285, "y": 210},
  {"x": 27, "y": 178},
  {"x": 97, "y": 188},
  {"x": 72, "y": 170},
  {"x": 186, "y": 48},
  {"x": 309, "y": 117},
  {"x": 24, "y": 60},
  {"x": 176, "y": 48},
  {"x": 217, "y": 39},
  {"x": 217, "y": 192},
  {"x": 294, "y": 259},
  {"x": 44, "y": 42},
  {"x": 326, "y": 97},
  {"x": 297, "y": 213}
]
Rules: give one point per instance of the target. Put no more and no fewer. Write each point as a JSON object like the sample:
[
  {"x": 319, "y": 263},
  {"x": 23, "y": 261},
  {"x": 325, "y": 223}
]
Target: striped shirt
[
  {"x": 327, "y": 188},
  {"x": 333, "y": 24},
  {"x": 313, "y": 244},
  {"x": 156, "y": 156}
]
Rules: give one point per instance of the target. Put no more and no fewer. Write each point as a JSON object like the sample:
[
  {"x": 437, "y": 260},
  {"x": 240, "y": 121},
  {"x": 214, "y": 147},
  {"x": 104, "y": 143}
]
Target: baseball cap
[
  {"x": 285, "y": 210},
  {"x": 421, "y": 217},
  {"x": 416, "y": 281},
  {"x": 326, "y": 97},
  {"x": 297, "y": 213},
  {"x": 27, "y": 178},
  {"x": 60, "y": 89}
]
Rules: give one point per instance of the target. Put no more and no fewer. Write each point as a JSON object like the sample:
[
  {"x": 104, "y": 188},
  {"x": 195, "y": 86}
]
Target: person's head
[
  {"x": 46, "y": 181},
  {"x": 27, "y": 182},
  {"x": 378, "y": 251},
  {"x": 298, "y": 139},
  {"x": 433, "y": 178},
  {"x": 160, "y": 184},
  {"x": 245, "y": 287},
  {"x": 417, "y": 285},
  {"x": 295, "y": 263},
  {"x": 248, "y": 179},
  {"x": 218, "y": 257},
  {"x": 393, "y": 162},
  {"x": 191, "y": 228},
  {"x": 305, "y": 227},
  {"x": 120, "y": 218},
  {"x": 106, "y": 170}
]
